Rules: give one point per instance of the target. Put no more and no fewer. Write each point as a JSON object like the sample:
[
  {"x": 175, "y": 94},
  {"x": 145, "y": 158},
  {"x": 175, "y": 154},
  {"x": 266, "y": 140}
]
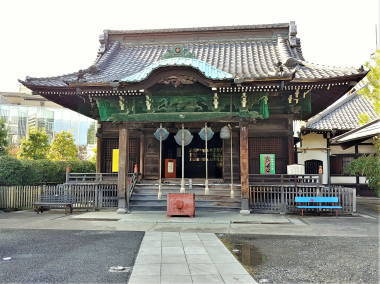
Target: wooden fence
[
  {"x": 93, "y": 196},
  {"x": 293, "y": 179},
  {"x": 280, "y": 198}
]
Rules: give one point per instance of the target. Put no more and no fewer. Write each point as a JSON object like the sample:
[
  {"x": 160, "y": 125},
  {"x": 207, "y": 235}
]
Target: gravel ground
[
  {"x": 294, "y": 259},
  {"x": 51, "y": 256}
]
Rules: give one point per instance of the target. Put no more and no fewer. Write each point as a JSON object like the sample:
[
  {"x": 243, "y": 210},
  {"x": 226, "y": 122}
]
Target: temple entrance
[{"x": 195, "y": 158}]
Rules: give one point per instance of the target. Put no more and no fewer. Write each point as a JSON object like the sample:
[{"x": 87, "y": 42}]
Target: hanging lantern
[
  {"x": 187, "y": 137},
  {"x": 209, "y": 131},
  {"x": 264, "y": 109},
  {"x": 225, "y": 132},
  {"x": 161, "y": 132}
]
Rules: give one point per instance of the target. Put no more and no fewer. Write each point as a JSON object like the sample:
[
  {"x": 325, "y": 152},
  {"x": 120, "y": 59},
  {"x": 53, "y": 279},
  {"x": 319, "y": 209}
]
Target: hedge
[{"x": 34, "y": 172}]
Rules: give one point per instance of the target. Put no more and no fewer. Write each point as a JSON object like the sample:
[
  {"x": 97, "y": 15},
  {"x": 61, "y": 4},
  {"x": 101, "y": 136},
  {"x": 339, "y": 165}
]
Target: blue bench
[{"x": 317, "y": 199}]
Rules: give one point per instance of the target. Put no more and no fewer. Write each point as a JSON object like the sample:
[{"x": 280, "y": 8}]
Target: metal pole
[
  {"x": 207, "y": 191},
  {"x": 232, "y": 193},
  {"x": 182, "y": 190},
  {"x": 159, "y": 195}
]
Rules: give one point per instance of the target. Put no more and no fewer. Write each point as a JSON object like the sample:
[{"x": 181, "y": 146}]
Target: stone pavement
[
  {"x": 176, "y": 257},
  {"x": 202, "y": 217}
]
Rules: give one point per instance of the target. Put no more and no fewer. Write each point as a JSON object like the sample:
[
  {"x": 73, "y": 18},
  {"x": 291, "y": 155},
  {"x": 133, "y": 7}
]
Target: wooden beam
[{"x": 122, "y": 181}]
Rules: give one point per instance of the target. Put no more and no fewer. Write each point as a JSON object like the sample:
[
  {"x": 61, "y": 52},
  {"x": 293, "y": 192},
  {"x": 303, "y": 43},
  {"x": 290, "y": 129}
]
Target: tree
[
  {"x": 35, "y": 146},
  {"x": 91, "y": 134},
  {"x": 368, "y": 166},
  {"x": 372, "y": 89},
  {"x": 3, "y": 138},
  {"x": 63, "y": 148}
]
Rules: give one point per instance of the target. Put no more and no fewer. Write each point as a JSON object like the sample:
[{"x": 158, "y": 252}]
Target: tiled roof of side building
[
  {"x": 256, "y": 55},
  {"x": 343, "y": 114}
]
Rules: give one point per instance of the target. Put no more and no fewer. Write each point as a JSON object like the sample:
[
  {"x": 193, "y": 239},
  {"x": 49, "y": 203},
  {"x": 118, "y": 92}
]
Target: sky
[{"x": 42, "y": 38}]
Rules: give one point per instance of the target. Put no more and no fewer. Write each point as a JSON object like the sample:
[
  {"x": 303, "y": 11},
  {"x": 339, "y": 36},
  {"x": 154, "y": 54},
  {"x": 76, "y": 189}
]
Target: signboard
[
  {"x": 267, "y": 164},
  {"x": 115, "y": 160}
]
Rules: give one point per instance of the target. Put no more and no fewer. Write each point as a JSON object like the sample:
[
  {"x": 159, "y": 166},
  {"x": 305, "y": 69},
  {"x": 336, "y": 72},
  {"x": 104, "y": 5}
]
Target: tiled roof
[
  {"x": 250, "y": 57},
  {"x": 368, "y": 130},
  {"x": 343, "y": 114}
]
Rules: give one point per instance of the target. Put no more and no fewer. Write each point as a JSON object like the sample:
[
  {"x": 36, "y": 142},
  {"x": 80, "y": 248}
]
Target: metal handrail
[{"x": 132, "y": 178}]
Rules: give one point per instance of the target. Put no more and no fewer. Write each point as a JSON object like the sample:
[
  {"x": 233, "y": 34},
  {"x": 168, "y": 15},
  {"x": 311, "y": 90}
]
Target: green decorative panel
[{"x": 180, "y": 106}]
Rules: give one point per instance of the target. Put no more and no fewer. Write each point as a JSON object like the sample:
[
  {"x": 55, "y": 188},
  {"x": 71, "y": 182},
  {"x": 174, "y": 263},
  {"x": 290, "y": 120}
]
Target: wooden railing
[
  {"x": 281, "y": 179},
  {"x": 91, "y": 177},
  {"x": 280, "y": 198}
]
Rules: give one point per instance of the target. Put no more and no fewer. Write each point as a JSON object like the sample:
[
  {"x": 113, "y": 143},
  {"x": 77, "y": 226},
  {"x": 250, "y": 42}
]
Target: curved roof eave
[{"x": 206, "y": 69}]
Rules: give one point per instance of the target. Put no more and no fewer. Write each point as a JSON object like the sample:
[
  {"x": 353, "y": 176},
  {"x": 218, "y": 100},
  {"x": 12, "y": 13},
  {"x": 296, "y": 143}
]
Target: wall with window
[{"x": 314, "y": 147}]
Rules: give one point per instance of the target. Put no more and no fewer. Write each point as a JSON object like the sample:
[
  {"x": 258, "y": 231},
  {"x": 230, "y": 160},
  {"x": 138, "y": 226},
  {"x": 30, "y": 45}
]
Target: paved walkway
[
  {"x": 173, "y": 257},
  {"x": 202, "y": 217}
]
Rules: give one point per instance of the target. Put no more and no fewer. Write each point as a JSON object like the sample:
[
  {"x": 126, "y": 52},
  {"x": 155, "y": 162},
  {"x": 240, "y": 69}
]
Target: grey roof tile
[
  {"x": 343, "y": 114},
  {"x": 246, "y": 58}
]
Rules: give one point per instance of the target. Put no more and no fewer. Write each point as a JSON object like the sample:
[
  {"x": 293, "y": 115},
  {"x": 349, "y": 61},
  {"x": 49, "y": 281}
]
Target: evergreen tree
[
  {"x": 63, "y": 148},
  {"x": 35, "y": 146}
]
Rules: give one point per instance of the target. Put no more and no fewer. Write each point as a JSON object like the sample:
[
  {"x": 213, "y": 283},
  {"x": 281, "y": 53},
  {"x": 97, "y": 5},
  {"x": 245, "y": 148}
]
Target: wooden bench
[
  {"x": 54, "y": 201},
  {"x": 318, "y": 199}
]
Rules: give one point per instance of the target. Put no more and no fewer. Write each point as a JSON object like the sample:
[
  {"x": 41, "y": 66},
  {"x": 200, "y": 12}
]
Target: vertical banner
[
  {"x": 267, "y": 164},
  {"x": 115, "y": 160}
]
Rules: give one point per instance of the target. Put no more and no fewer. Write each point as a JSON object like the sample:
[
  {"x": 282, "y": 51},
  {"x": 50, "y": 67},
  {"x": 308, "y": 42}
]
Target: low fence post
[{"x": 354, "y": 200}]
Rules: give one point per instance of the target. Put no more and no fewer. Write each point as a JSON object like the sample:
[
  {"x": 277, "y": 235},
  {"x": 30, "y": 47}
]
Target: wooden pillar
[
  {"x": 290, "y": 143},
  {"x": 244, "y": 166},
  {"x": 98, "y": 154},
  {"x": 122, "y": 182},
  {"x": 142, "y": 143}
]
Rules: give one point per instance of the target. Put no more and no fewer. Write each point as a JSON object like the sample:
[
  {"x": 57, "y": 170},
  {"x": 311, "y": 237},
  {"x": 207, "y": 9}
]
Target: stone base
[
  {"x": 121, "y": 211},
  {"x": 245, "y": 212}
]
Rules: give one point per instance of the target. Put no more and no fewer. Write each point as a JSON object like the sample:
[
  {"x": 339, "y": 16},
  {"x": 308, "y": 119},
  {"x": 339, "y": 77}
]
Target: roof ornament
[
  {"x": 177, "y": 52},
  {"x": 293, "y": 34}
]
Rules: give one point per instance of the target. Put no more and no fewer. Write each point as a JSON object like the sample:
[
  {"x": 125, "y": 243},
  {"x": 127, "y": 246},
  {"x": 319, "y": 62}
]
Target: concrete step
[
  {"x": 163, "y": 208},
  {"x": 144, "y": 196}
]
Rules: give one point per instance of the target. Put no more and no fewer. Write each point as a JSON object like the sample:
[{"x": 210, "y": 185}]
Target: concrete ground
[
  {"x": 363, "y": 225},
  {"x": 305, "y": 259},
  {"x": 50, "y": 256},
  {"x": 292, "y": 249}
]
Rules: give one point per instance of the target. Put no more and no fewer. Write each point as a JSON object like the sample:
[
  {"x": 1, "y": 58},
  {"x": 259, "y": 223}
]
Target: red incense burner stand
[{"x": 181, "y": 204}]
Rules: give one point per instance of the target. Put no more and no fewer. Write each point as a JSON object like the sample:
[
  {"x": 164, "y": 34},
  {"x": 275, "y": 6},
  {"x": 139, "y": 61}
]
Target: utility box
[{"x": 181, "y": 204}]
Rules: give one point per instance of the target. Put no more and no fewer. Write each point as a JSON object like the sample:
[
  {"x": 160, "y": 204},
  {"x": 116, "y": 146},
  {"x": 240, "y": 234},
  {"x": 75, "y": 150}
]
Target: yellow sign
[{"x": 115, "y": 160}]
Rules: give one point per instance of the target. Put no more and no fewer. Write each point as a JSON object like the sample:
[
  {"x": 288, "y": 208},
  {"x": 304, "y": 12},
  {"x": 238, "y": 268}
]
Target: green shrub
[
  {"x": 368, "y": 166},
  {"x": 34, "y": 172},
  {"x": 11, "y": 171}
]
